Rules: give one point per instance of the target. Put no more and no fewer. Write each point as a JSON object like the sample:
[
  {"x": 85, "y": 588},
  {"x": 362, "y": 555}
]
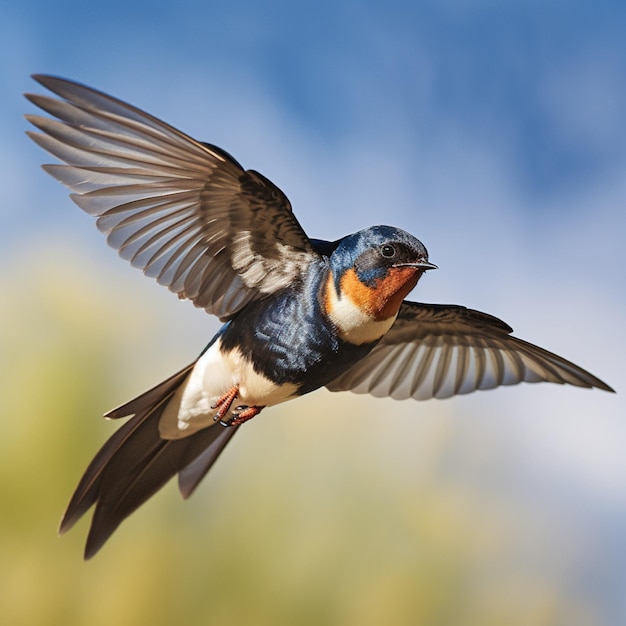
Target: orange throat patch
[
  {"x": 363, "y": 314},
  {"x": 384, "y": 299}
]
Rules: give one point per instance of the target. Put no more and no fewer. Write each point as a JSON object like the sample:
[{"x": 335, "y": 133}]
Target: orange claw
[{"x": 225, "y": 402}]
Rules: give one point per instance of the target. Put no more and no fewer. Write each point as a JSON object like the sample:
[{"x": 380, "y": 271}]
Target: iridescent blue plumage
[
  {"x": 299, "y": 313},
  {"x": 307, "y": 351},
  {"x": 351, "y": 247}
]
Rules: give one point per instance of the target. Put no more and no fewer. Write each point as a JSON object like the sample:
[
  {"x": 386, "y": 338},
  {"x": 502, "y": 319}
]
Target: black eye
[{"x": 388, "y": 251}]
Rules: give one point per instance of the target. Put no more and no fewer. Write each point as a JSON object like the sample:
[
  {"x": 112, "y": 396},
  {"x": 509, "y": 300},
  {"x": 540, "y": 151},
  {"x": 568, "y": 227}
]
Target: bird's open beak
[{"x": 423, "y": 265}]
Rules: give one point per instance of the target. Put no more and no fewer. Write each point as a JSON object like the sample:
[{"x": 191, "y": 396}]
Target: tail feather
[
  {"x": 147, "y": 400},
  {"x": 190, "y": 476},
  {"x": 135, "y": 463},
  {"x": 87, "y": 491},
  {"x": 142, "y": 407},
  {"x": 140, "y": 468}
]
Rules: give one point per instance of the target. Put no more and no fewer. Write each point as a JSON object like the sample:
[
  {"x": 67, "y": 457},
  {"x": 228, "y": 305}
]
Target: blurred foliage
[{"x": 333, "y": 509}]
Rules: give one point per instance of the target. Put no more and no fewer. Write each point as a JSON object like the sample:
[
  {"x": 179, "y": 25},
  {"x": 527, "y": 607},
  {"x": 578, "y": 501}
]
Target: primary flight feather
[{"x": 298, "y": 313}]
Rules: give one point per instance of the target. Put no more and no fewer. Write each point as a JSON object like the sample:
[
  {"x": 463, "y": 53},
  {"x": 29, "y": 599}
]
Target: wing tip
[
  {"x": 47, "y": 80},
  {"x": 600, "y": 384}
]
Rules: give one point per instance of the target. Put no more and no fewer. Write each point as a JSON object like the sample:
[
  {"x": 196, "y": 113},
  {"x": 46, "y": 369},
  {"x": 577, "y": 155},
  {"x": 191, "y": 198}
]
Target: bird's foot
[
  {"x": 224, "y": 403},
  {"x": 240, "y": 415},
  {"x": 243, "y": 413}
]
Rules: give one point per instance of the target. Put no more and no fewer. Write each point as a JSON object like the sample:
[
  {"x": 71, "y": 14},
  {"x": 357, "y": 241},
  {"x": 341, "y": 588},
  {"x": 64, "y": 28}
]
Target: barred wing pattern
[
  {"x": 438, "y": 351},
  {"x": 184, "y": 212}
]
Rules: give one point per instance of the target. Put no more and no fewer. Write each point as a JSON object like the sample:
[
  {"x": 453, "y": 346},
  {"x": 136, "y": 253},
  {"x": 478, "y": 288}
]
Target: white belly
[{"x": 214, "y": 374}]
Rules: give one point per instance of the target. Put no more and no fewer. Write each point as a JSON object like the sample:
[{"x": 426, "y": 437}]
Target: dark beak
[{"x": 423, "y": 265}]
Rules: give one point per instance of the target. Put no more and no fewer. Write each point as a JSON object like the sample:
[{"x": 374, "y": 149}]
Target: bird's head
[{"x": 372, "y": 271}]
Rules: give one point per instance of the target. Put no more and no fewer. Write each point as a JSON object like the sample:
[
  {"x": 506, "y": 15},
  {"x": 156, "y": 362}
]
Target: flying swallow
[{"x": 298, "y": 313}]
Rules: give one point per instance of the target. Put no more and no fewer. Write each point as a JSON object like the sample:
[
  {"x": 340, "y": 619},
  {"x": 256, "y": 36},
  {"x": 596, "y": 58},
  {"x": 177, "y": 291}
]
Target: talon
[
  {"x": 241, "y": 413},
  {"x": 224, "y": 403},
  {"x": 243, "y": 416}
]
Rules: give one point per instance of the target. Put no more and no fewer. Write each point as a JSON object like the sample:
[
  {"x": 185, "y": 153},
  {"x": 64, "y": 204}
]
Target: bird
[{"x": 297, "y": 313}]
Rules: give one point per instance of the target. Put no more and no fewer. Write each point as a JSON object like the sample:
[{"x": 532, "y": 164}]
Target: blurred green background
[
  {"x": 334, "y": 509},
  {"x": 493, "y": 131}
]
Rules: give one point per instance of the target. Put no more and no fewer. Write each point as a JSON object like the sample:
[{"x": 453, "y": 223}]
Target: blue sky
[
  {"x": 540, "y": 83},
  {"x": 494, "y": 131}
]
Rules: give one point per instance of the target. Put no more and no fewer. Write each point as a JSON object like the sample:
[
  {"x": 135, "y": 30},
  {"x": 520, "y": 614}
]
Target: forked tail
[{"x": 135, "y": 463}]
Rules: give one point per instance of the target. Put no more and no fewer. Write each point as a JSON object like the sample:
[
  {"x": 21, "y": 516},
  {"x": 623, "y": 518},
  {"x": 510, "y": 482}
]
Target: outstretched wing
[
  {"x": 438, "y": 351},
  {"x": 184, "y": 212}
]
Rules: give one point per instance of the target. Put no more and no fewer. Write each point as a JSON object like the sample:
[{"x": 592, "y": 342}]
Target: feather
[
  {"x": 180, "y": 210},
  {"x": 135, "y": 463},
  {"x": 437, "y": 351}
]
